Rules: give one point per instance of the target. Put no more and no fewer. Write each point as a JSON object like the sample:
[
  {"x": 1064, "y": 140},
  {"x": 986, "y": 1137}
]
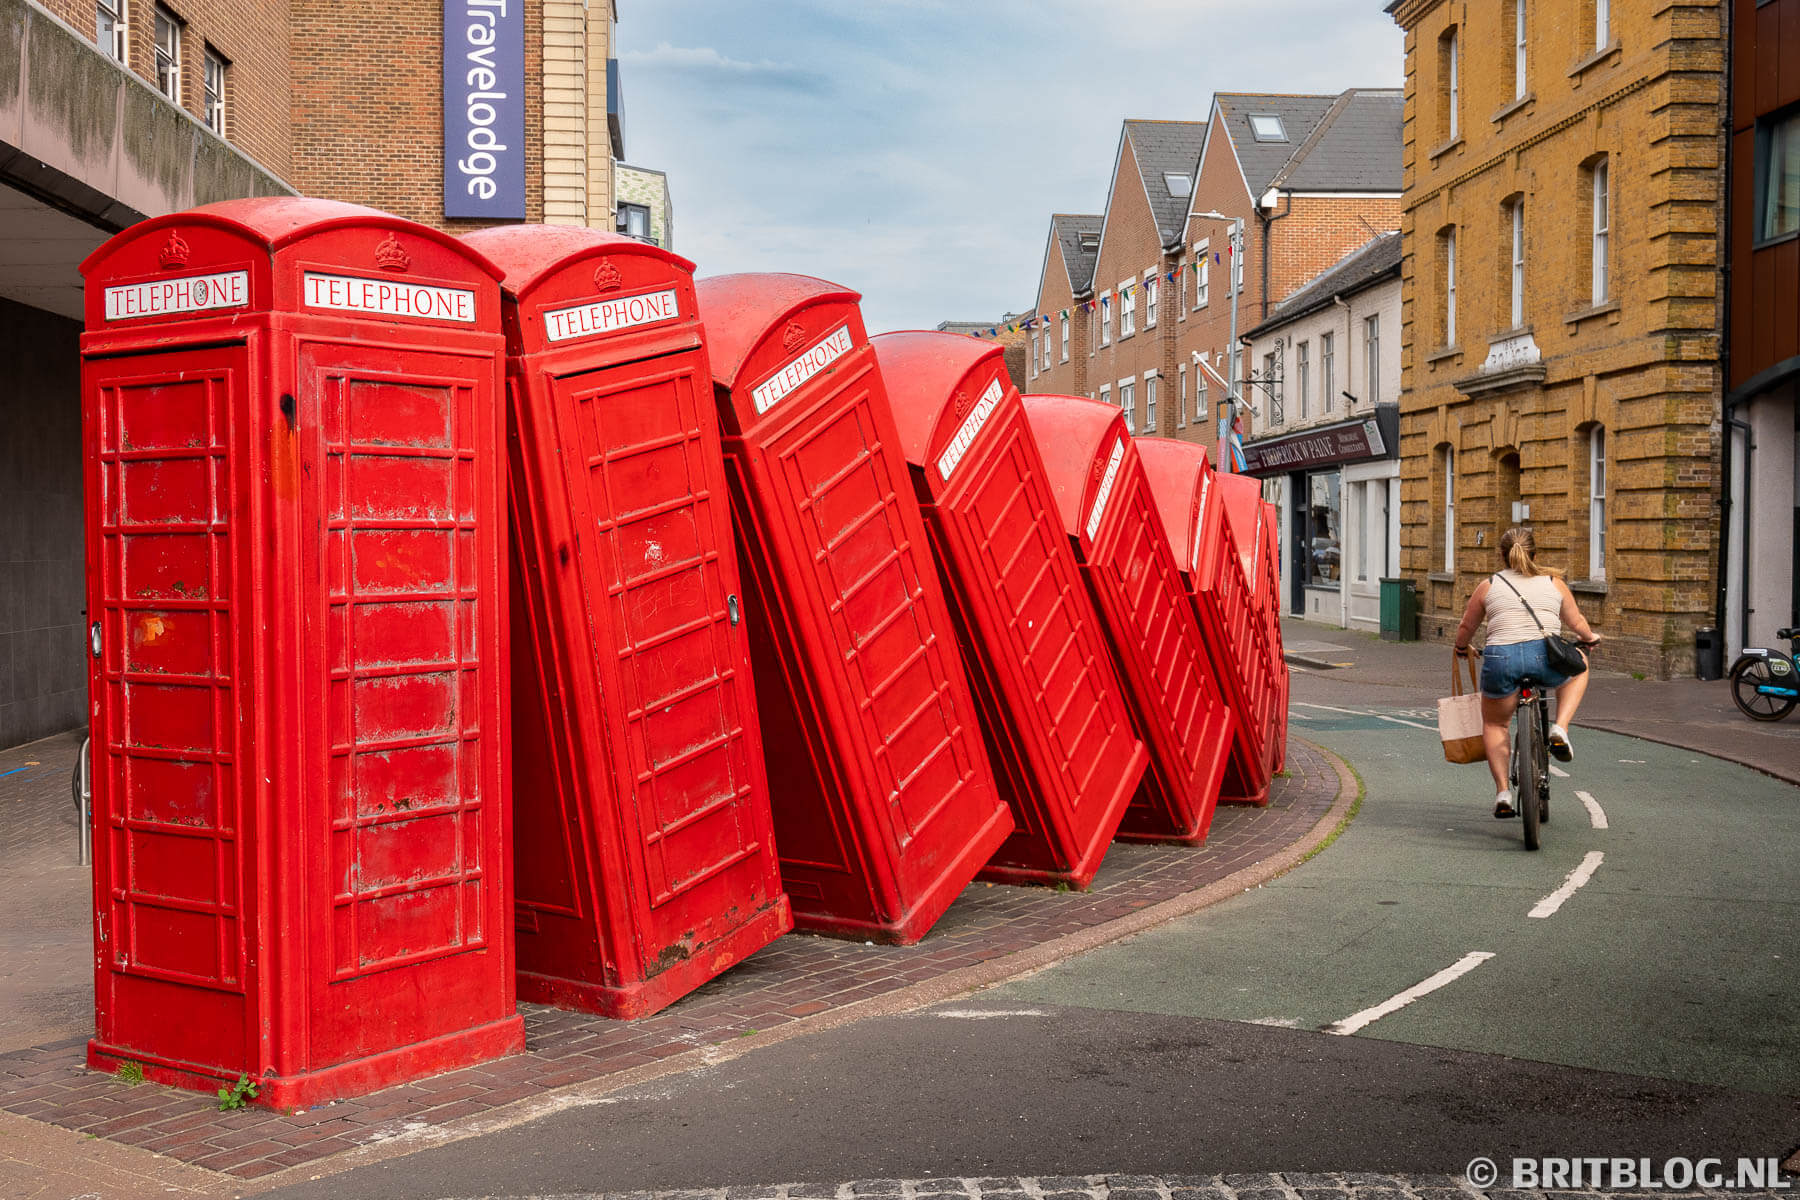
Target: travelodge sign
[{"x": 484, "y": 109}]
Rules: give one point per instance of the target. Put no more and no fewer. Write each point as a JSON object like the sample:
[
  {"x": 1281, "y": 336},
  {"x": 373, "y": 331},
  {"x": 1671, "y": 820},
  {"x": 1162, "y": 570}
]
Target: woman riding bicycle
[{"x": 1515, "y": 651}]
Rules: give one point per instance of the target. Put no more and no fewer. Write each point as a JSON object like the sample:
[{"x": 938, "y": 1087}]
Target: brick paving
[
  {"x": 797, "y": 977},
  {"x": 1290, "y": 1185}
]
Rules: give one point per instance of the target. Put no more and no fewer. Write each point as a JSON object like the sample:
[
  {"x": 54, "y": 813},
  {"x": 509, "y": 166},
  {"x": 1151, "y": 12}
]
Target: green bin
[{"x": 1399, "y": 611}]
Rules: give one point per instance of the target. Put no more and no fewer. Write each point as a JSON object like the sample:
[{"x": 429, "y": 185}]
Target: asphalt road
[{"x": 1649, "y": 1015}]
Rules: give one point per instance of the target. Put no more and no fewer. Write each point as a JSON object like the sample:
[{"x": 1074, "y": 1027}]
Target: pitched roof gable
[
  {"x": 1164, "y": 148},
  {"x": 1079, "y": 236},
  {"x": 1349, "y": 142}
]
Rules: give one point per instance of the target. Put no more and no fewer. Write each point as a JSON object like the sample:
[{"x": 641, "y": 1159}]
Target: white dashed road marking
[
  {"x": 1354, "y": 712},
  {"x": 1579, "y": 876},
  {"x": 1454, "y": 971},
  {"x": 1596, "y": 814}
]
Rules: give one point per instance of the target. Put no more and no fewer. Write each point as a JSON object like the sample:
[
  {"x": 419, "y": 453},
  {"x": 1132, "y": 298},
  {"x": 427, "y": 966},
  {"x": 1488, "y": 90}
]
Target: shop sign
[
  {"x": 1348, "y": 442},
  {"x": 484, "y": 109}
]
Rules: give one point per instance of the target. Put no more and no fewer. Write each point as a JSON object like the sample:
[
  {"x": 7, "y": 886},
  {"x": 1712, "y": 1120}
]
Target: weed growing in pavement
[
  {"x": 1355, "y": 807},
  {"x": 131, "y": 1074},
  {"x": 238, "y": 1095}
]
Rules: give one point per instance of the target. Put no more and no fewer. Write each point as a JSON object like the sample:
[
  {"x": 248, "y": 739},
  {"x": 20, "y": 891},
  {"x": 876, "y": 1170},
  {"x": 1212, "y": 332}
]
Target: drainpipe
[
  {"x": 1729, "y": 406},
  {"x": 1265, "y": 212}
]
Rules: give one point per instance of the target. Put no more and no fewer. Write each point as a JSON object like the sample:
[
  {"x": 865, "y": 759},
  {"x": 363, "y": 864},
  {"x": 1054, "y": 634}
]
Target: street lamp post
[{"x": 1235, "y": 242}]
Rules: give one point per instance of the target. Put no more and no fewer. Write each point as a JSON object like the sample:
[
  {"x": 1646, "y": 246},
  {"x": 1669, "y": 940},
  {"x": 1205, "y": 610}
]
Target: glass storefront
[{"x": 1324, "y": 528}]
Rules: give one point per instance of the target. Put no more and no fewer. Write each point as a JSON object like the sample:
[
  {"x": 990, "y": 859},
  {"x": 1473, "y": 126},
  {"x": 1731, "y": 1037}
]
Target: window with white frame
[
  {"x": 1105, "y": 396},
  {"x": 1045, "y": 330},
  {"x": 1200, "y": 390},
  {"x": 1597, "y": 502},
  {"x": 1518, "y": 262},
  {"x": 212, "y": 81},
  {"x": 1128, "y": 403},
  {"x": 110, "y": 30},
  {"x": 1151, "y": 380},
  {"x": 1032, "y": 360},
  {"x": 1602, "y": 24},
  {"x": 1449, "y": 85},
  {"x": 168, "y": 54},
  {"x": 1302, "y": 378},
  {"x": 1181, "y": 408},
  {"x": 1065, "y": 337},
  {"x": 1602, "y": 204},
  {"x": 1150, "y": 284},
  {"x": 1106, "y": 318},
  {"x": 1327, "y": 367},
  {"x": 1449, "y": 509},
  {"x": 1127, "y": 309},
  {"x": 1372, "y": 356},
  {"x": 1447, "y": 257},
  {"x": 1271, "y": 389},
  {"x": 1519, "y": 49},
  {"x": 1202, "y": 272}
]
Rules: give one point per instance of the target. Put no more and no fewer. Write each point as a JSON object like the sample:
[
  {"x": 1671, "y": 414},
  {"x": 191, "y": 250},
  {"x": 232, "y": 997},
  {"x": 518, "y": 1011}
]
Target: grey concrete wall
[{"x": 43, "y": 677}]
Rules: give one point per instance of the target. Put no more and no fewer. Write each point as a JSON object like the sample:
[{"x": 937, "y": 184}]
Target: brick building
[
  {"x": 112, "y": 111},
  {"x": 1561, "y": 308},
  {"x": 1312, "y": 178},
  {"x": 1328, "y": 442},
  {"x": 1760, "y": 588},
  {"x": 1145, "y": 285},
  {"x": 643, "y": 206},
  {"x": 1065, "y": 287}
]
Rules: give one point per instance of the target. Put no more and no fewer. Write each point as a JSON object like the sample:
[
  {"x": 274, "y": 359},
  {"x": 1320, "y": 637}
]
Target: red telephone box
[
  {"x": 1271, "y": 561},
  {"x": 298, "y": 689},
  {"x": 1107, "y": 511},
  {"x": 644, "y": 852},
  {"x": 1052, "y": 709},
  {"x": 1193, "y": 516},
  {"x": 885, "y": 806}
]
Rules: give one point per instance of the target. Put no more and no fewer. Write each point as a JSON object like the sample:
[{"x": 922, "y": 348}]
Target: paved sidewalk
[
  {"x": 798, "y": 977},
  {"x": 1677, "y": 712}
]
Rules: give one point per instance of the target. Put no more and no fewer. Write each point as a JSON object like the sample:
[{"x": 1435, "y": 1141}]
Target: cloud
[{"x": 706, "y": 67}]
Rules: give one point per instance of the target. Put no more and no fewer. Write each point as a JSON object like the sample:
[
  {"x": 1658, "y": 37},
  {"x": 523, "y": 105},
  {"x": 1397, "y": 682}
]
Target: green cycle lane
[{"x": 1677, "y": 959}]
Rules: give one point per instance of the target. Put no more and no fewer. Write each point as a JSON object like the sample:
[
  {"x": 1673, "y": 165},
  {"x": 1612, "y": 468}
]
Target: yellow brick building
[{"x": 1561, "y": 319}]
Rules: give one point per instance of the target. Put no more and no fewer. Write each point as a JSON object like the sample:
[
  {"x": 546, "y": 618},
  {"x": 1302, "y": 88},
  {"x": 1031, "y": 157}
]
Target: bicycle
[
  {"x": 1530, "y": 774},
  {"x": 1765, "y": 685}
]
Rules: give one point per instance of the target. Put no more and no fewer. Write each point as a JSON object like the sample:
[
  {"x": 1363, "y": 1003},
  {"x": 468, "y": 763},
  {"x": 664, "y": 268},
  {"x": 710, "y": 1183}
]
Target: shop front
[{"x": 1338, "y": 489}]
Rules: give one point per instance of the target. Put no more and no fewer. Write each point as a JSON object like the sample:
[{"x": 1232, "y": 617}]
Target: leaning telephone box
[
  {"x": 292, "y": 427},
  {"x": 1108, "y": 513},
  {"x": 885, "y": 806},
  {"x": 643, "y": 849},
  {"x": 1058, "y": 732},
  {"x": 1182, "y": 480},
  {"x": 1271, "y": 570}
]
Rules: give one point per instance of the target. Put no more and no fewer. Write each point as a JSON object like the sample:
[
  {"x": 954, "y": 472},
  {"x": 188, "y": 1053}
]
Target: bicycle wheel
[
  {"x": 1543, "y": 749},
  {"x": 1745, "y": 678},
  {"x": 1528, "y": 798}
]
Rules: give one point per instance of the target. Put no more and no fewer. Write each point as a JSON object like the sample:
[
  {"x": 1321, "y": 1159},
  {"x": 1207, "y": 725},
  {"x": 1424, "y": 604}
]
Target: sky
[{"x": 915, "y": 149}]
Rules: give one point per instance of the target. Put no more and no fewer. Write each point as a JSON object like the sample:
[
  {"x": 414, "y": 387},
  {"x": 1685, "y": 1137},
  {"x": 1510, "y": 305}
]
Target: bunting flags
[{"x": 1043, "y": 319}]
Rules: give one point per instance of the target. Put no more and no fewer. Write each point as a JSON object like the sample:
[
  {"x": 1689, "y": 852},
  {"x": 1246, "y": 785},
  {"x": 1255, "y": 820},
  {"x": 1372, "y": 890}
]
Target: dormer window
[
  {"x": 1267, "y": 127},
  {"x": 1178, "y": 184}
]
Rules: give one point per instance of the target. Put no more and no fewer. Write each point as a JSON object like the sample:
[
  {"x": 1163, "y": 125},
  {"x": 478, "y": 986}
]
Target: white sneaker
[
  {"x": 1503, "y": 805},
  {"x": 1560, "y": 749}
]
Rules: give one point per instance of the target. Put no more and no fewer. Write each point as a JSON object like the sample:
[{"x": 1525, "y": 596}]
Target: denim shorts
[{"x": 1504, "y": 668}]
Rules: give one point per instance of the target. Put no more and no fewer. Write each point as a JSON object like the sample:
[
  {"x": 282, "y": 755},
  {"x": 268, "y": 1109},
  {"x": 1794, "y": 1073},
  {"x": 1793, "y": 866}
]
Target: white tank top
[{"x": 1507, "y": 621}]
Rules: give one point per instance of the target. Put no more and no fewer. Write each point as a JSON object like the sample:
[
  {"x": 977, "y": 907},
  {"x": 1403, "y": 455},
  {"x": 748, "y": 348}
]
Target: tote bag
[{"x": 1459, "y": 717}]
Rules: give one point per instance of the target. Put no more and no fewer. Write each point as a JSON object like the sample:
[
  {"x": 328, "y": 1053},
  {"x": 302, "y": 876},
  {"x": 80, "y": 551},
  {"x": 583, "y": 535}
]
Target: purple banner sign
[
  {"x": 484, "y": 109},
  {"x": 1333, "y": 444}
]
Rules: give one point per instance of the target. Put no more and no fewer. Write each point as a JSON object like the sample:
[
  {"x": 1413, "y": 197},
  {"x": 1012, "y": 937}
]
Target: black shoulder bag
[{"x": 1563, "y": 657}]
